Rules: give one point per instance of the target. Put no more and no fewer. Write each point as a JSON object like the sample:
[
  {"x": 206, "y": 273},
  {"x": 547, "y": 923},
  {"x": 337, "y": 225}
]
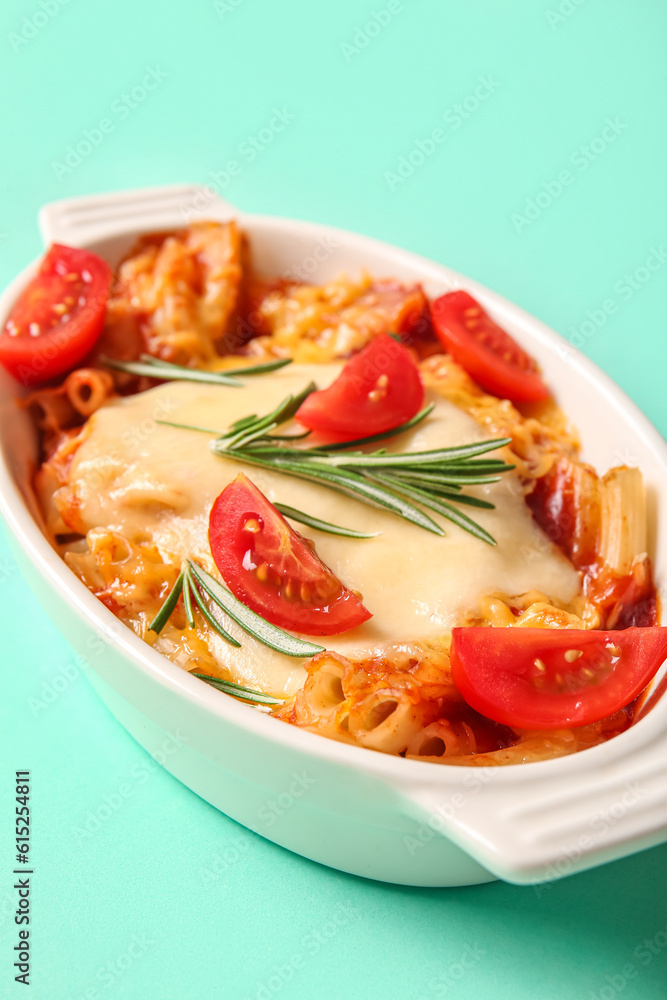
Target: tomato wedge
[
  {"x": 540, "y": 678},
  {"x": 488, "y": 354},
  {"x": 377, "y": 390},
  {"x": 58, "y": 317},
  {"x": 273, "y": 569}
]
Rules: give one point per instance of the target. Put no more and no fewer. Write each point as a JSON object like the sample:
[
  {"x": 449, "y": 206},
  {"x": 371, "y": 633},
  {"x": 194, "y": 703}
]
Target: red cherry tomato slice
[
  {"x": 541, "y": 678},
  {"x": 377, "y": 390},
  {"x": 485, "y": 350},
  {"x": 273, "y": 569},
  {"x": 58, "y": 317}
]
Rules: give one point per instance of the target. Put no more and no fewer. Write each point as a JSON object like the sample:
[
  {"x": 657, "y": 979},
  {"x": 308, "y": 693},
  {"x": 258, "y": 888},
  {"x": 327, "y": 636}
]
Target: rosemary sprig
[
  {"x": 184, "y": 585},
  {"x": 401, "y": 482},
  {"x": 189, "y": 427},
  {"x": 407, "y": 426},
  {"x": 341, "y": 481},
  {"x": 449, "y": 492},
  {"x": 325, "y": 526},
  {"x": 165, "y": 612},
  {"x": 187, "y": 599},
  {"x": 193, "y": 582},
  {"x": 438, "y": 505},
  {"x": 260, "y": 369},
  {"x": 251, "y": 623},
  {"x": 208, "y": 617},
  {"x": 239, "y": 690},
  {"x": 248, "y": 429},
  {"x": 434, "y": 460},
  {"x": 166, "y": 371}
]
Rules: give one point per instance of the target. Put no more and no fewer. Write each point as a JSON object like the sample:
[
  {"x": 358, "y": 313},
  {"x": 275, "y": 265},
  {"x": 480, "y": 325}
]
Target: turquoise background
[{"x": 220, "y": 908}]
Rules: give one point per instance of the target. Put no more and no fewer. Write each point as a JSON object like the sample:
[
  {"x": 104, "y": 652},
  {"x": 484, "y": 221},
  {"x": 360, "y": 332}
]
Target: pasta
[
  {"x": 310, "y": 323},
  {"x": 126, "y": 493},
  {"x": 82, "y": 392},
  {"x": 175, "y": 293},
  {"x": 408, "y": 702}
]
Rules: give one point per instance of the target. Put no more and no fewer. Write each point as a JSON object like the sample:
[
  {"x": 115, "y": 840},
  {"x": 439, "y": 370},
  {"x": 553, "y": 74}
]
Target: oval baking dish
[{"x": 363, "y": 812}]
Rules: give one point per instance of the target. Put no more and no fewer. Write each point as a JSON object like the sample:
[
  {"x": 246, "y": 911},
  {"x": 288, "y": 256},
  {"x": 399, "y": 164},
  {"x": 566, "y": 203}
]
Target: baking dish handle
[
  {"x": 538, "y": 822},
  {"x": 81, "y": 221}
]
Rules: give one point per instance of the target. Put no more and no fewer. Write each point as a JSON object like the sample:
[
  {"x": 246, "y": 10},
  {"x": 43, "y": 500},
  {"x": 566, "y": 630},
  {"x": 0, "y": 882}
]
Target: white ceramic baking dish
[{"x": 364, "y": 812}]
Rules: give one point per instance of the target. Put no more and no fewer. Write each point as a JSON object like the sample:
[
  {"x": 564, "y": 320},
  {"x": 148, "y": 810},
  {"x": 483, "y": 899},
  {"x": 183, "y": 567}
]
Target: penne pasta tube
[
  {"x": 87, "y": 389},
  {"x": 623, "y": 518}
]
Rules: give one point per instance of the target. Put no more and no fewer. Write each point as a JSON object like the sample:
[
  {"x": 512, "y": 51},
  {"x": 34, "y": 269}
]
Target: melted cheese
[{"x": 147, "y": 480}]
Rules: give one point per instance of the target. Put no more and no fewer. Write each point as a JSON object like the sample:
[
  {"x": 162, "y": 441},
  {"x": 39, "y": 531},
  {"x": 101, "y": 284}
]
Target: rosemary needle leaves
[
  {"x": 165, "y": 370},
  {"x": 196, "y": 585},
  {"x": 401, "y": 482},
  {"x": 324, "y": 526},
  {"x": 239, "y": 690}
]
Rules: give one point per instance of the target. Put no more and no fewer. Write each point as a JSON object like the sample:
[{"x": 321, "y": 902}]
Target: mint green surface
[{"x": 167, "y": 899}]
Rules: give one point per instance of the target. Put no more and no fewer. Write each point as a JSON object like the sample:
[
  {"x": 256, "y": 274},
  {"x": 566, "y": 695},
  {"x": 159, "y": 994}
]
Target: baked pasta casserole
[{"x": 355, "y": 507}]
